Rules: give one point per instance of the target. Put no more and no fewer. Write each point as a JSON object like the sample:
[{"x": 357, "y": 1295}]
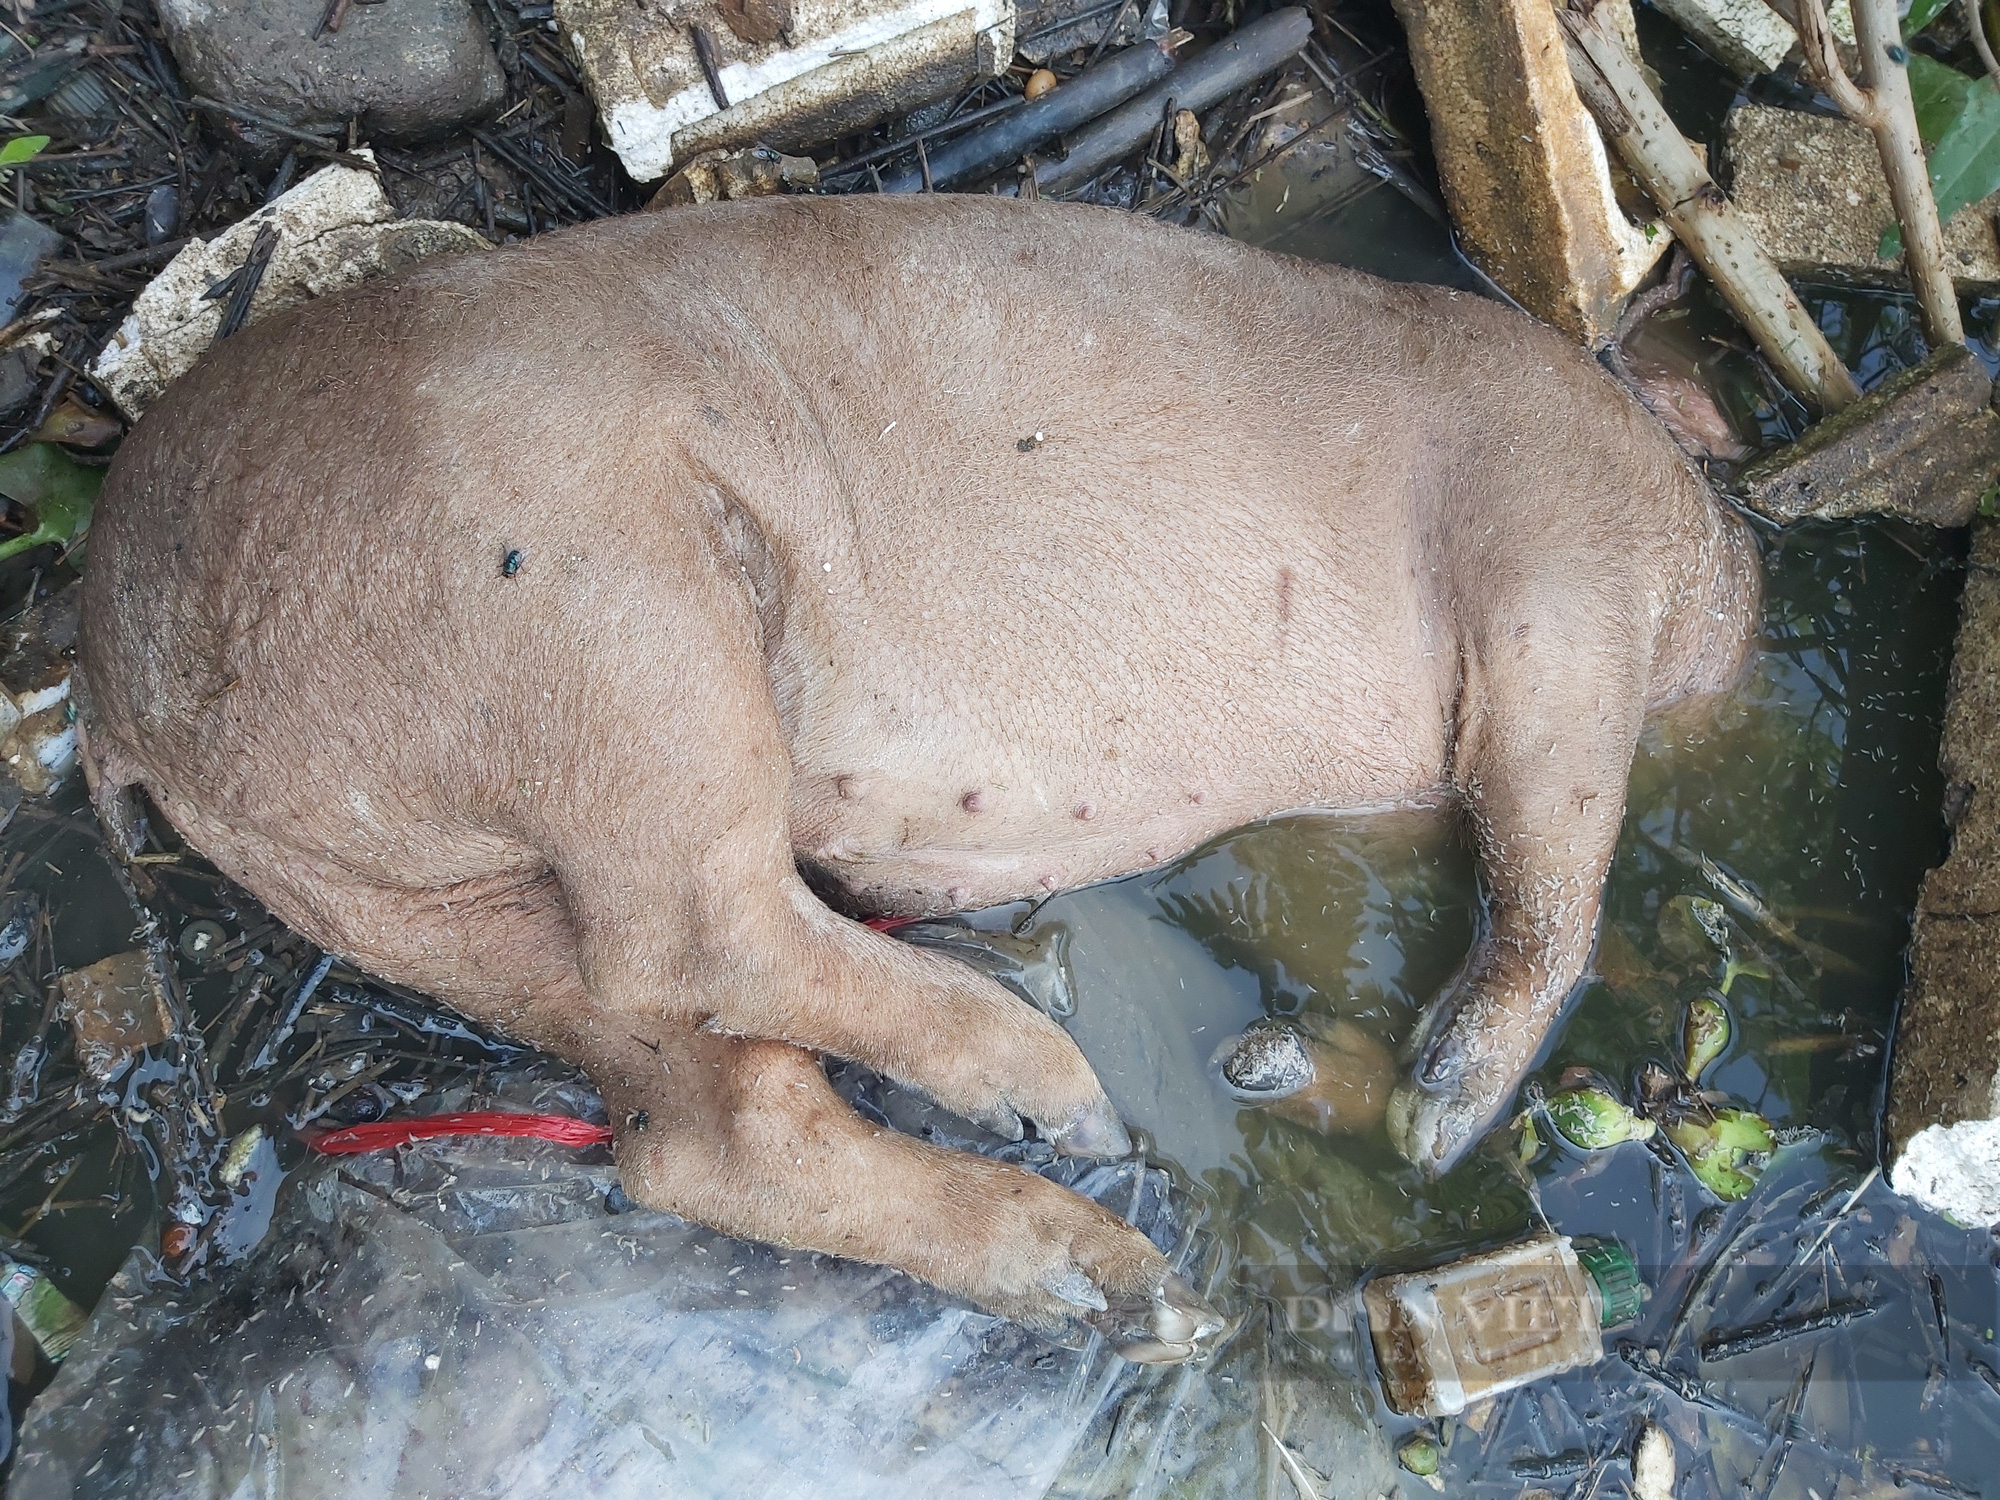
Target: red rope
[{"x": 563, "y": 1130}]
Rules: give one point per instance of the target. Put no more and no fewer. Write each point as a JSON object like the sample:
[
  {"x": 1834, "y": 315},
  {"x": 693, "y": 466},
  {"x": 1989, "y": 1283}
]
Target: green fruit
[
  {"x": 1420, "y": 1455},
  {"x": 1591, "y": 1119},
  {"x": 1704, "y": 1036}
]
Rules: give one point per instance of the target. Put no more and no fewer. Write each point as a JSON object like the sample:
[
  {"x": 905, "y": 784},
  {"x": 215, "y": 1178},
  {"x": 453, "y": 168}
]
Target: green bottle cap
[{"x": 1620, "y": 1292}]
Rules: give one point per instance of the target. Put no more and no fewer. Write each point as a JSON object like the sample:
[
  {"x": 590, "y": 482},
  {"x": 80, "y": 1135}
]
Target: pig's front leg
[{"x": 1545, "y": 736}]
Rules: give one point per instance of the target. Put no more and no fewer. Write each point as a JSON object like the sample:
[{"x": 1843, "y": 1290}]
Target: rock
[
  {"x": 1943, "y": 1120},
  {"x": 334, "y": 229},
  {"x": 844, "y": 66},
  {"x": 1746, "y": 36},
  {"x": 1924, "y": 444},
  {"x": 1524, "y": 168},
  {"x": 408, "y": 69},
  {"x": 117, "y": 1007},
  {"x": 1812, "y": 190}
]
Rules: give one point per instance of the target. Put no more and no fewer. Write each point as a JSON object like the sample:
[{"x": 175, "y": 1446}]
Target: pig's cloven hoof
[
  {"x": 1097, "y": 1131},
  {"x": 1434, "y": 1130},
  {"x": 1161, "y": 1329},
  {"x": 1267, "y": 1062}
]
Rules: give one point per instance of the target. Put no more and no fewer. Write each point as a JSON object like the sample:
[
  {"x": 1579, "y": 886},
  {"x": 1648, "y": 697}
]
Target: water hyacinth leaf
[
  {"x": 1720, "y": 1149},
  {"x": 22, "y": 148},
  {"x": 1530, "y": 1144},
  {"x": 1704, "y": 1035},
  {"x": 1742, "y": 1130},
  {"x": 55, "y": 487},
  {"x": 1959, "y": 119},
  {"x": 1730, "y": 1184},
  {"x": 1592, "y": 1119}
]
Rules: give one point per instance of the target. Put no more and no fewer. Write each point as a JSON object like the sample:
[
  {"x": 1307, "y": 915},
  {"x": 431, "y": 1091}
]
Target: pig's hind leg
[
  {"x": 747, "y": 1136},
  {"x": 1548, "y": 719}
]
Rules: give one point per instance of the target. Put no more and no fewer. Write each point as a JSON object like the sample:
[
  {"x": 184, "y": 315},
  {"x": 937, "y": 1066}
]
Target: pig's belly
[{"x": 919, "y": 789}]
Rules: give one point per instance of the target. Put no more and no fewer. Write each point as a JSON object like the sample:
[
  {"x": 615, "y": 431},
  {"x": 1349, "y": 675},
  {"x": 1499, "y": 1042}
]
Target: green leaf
[
  {"x": 1959, "y": 119},
  {"x": 55, "y": 487},
  {"x": 22, "y": 148},
  {"x": 1922, "y": 13}
]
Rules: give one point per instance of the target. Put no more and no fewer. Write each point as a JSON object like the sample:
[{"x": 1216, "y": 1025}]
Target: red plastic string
[
  {"x": 563, "y": 1130},
  {"x": 887, "y": 924}
]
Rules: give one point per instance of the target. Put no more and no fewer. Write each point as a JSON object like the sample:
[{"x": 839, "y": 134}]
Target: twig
[
  {"x": 1975, "y": 25},
  {"x": 245, "y": 281},
  {"x": 711, "y": 65},
  {"x": 1719, "y": 1346},
  {"x": 1881, "y": 103},
  {"x": 1614, "y": 90}
]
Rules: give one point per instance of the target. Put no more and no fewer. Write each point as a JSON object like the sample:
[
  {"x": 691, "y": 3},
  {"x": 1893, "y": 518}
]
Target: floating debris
[
  {"x": 1653, "y": 1465},
  {"x": 1705, "y": 1035},
  {"x": 1420, "y": 1454},
  {"x": 117, "y": 1007},
  {"x": 1593, "y": 1119},
  {"x": 1725, "y": 1149},
  {"x": 1720, "y": 1346}
]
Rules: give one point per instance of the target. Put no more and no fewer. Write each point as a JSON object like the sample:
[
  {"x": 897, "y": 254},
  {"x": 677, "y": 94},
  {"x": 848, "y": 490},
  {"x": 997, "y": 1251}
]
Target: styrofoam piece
[{"x": 841, "y": 66}]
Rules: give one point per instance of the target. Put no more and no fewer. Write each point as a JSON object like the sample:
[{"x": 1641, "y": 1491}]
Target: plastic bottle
[
  {"x": 1448, "y": 1337},
  {"x": 54, "y": 1320}
]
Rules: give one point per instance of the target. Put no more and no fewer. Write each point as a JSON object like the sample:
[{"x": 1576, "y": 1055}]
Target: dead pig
[{"x": 925, "y": 543}]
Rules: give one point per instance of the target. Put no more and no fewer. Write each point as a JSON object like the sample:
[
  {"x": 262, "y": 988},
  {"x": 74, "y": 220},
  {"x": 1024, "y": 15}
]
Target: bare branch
[
  {"x": 1885, "y": 76},
  {"x": 1975, "y": 25},
  {"x": 1829, "y": 73},
  {"x": 1615, "y": 91}
]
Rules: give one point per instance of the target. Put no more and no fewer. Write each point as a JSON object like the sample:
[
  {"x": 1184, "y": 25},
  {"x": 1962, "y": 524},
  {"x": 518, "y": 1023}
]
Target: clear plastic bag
[{"x": 472, "y": 1317}]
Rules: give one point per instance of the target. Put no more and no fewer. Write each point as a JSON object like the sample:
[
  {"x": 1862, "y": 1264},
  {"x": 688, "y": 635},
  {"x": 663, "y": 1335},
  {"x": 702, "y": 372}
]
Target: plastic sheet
[{"x": 476, "y": 1316}]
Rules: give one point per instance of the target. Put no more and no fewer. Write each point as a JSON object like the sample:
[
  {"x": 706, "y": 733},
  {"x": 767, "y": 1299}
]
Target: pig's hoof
[
  {"x": 1097, "y": 1131},
  {"x": 1162, "y": 1328},
  {"x": 1432, "y": 1131},
  {"x": 1266, "y": 1062}
]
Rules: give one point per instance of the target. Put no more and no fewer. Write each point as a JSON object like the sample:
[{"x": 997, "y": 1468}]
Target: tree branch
[
  {"x": 1883, "y": 104},
  {"x": 1614, "y": 90}
]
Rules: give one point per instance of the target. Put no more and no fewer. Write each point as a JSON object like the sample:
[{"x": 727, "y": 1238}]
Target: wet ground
[{"x": 1806, "y": 807}]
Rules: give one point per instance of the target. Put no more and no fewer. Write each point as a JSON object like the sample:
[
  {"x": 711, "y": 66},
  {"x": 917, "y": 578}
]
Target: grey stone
[
  {"x": 408, "y": 68},
  {"x": 1943, "y": 1122},
  {"x": 1811, "y": 188},
  {"x": 1924, "y": 445}
]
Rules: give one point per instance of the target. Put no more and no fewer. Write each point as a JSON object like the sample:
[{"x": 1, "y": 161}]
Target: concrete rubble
[
  {"x": 1943, "y": 1122},
  {"x": 786, "y": 81},
  {"x": 1924, "y": 445},
  {"x": 1746, "y": 36},
  {"x": 413, "y": 69},
  {"x": 117, "y": 1007},
  {"x": 334, "y": 230},
  {"x": 1524, "y": 168},
  {"x": 1811, "y": 188}
]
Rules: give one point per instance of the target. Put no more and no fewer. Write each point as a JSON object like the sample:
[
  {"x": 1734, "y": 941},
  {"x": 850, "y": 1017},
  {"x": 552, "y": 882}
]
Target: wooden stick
[
  {"x": 1699, "y": 213},
  {"x": 1881, "y": 102}
]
